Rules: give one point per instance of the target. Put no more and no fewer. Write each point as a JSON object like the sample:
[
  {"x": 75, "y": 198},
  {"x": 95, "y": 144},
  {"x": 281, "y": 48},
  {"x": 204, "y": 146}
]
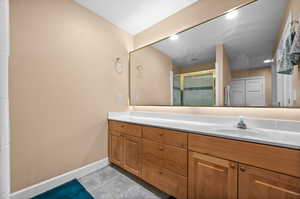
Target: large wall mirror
[{"x": 247, "y": 57}]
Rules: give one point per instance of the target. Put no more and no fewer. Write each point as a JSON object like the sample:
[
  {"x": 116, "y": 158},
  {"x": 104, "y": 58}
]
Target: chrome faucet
[{"x": 242, "y": 124}]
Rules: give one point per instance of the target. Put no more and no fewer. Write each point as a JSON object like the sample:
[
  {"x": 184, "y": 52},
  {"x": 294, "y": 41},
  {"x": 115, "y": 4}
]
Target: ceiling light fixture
[
  {"x": 232, "y": 14},
  {"x": 174, "y": 37},
  {"x": 267, "y": 61}
]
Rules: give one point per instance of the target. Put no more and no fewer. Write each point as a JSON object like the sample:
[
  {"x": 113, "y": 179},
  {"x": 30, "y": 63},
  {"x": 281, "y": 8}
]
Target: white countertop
[{"x": 271, "y": 132}]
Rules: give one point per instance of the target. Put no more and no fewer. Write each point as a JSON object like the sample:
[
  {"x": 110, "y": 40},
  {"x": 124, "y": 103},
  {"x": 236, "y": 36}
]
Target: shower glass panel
[
  {"x": 198, "y": 90},
  {"x": 194, "y": 89},
  {"x": 176, "y": 91}
]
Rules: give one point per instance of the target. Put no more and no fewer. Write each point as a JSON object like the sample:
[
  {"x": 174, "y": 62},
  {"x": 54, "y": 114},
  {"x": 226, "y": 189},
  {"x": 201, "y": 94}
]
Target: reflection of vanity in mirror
[{"x": 247, "y": 57}]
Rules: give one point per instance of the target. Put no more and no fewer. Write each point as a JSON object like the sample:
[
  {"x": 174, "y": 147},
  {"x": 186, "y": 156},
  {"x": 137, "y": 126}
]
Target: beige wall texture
[
  {"x": 151, "y": 86},
  {"x": 223, "y": 74},
  {"x": 190, "y": 16},
  {"x": 266, "y": 72},
  {"x": 62, "y": 84}
]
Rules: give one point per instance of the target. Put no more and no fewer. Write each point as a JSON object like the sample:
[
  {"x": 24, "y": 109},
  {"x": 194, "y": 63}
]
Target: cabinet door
[
  {"x": 211, "y": 178},
  {"x": 116, "y": 148},
  {"x": 132, "y": 155},
  {"x": 255, "y": 183}
]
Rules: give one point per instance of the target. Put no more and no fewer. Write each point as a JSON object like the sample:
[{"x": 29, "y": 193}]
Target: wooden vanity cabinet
[
  {"x": 194, "y": 166},
  {"x": 211, "y": 177},
  {"x": 125, "y": 146},
  {"x": 116, "y": 148},
  {"x": 165, "y": 158},
  {"x": 132, "y": 155},
  {"x": 264, "y": 184},
  {"x": 224, "y": 171}
]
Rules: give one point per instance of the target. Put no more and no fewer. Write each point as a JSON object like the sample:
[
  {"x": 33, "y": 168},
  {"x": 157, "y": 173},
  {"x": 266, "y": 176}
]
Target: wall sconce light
[
  {"x": 140, "y": 68},
  {"x": 118, "y": 65}
]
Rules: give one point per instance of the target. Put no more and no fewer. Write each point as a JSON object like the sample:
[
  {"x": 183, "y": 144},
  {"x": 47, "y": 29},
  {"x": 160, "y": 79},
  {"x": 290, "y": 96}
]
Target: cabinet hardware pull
[
  {"x": 161, "y": 149},
  {"x": 243, "y": 169},
  {"x": 161, "y": 134}
]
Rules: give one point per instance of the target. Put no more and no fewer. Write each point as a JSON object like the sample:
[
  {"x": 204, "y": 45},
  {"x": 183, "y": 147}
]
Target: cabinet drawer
[
  {"x": 152, "y": 152},
  {"x": 153, "y": 134},
  {"x": 165, "y": 180},
  {"x": 173, "y": 184},
  {"x": 129, "y": 129},
  {"x": 175, "y": 138},
  {"x": 175, "y": 159},
  {"x": 165, "y": 136},
  {"x": 272, "y": 158},
  {"x": 151, "y": 173}
]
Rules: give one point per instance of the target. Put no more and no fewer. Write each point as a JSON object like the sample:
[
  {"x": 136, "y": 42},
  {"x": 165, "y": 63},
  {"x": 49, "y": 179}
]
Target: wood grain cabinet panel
[
  {"x": 153, "y": 134},
  {"x": 152, "y": 152},
  {"x": 175, "y": 159},
  {"x": 165, "y": 136},
  {"x": 273, "y": 158},
  {"x": 151, "y": 173},
  {"x": 116, "y": 148},
  {"x": 255, "y": 183},
  {"x": 211, "y": 178},
  {"x": 165, "y": 180},
  {"x": 132, "y": 155},
  {"x": 173, "y": 184},
  {"x": 128, "y": 129},
  {"x": 175, "y": 138}
]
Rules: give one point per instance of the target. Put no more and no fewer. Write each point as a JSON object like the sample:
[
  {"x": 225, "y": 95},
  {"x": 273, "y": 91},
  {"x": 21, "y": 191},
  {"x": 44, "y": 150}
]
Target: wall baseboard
[{"x": 39, "y": 188}]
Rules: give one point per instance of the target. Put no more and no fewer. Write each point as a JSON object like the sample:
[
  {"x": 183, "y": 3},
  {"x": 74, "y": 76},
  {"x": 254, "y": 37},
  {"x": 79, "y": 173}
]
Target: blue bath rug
[{"x": 69, "y": 190}]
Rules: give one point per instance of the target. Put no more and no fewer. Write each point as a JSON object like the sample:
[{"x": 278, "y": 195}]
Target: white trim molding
[{"x": 37, "y": 189}]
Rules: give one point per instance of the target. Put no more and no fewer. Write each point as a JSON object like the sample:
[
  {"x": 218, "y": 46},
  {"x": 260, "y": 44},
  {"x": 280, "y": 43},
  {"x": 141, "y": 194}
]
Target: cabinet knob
[
  {"x": 161, "y": 134},
  {"x": 161, "y": 148},
  {"x": 160, "y": 172},
  {"x": 242, "y": 169}
]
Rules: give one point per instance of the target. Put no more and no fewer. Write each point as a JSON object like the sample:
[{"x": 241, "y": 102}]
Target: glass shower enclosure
[{"x": 194, "y": 89}]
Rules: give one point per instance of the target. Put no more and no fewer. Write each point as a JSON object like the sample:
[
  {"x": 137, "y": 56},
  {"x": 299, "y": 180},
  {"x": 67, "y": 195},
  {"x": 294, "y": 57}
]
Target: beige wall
[
  {"x": 192, "y": 15},
  {"x": 223, "y": 74},
  {"x": 62, "y": 84},
  {"x": 265, "y": 72},
  {"x": 152, "y": 85},
  {"x": 195, "y": 68}
]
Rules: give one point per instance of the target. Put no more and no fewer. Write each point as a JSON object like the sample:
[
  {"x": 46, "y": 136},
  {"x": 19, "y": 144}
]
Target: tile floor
[{"x": 113, "y": 183}]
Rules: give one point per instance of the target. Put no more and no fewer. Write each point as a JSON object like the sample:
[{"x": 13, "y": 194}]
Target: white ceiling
[
  {"x": 249, "y": 38},
  {"x": 134, "y": 16}
]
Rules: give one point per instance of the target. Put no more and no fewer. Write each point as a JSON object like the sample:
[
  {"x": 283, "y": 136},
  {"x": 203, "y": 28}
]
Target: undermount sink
[{"x": 242, "y": 132}]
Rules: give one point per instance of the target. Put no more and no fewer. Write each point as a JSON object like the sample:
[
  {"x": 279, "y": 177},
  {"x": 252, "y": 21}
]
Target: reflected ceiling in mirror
[{"x": 247, "y": 57}]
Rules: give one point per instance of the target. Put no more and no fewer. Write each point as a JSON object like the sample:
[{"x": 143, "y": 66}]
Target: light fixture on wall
[
  {"x": 267, "y": 61},
  {"x": 118, "y": 65},
  {"x": 174, "y": 37},
  {"x": 140, "y": 68},
  {"x": 232, "y": 14}
]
